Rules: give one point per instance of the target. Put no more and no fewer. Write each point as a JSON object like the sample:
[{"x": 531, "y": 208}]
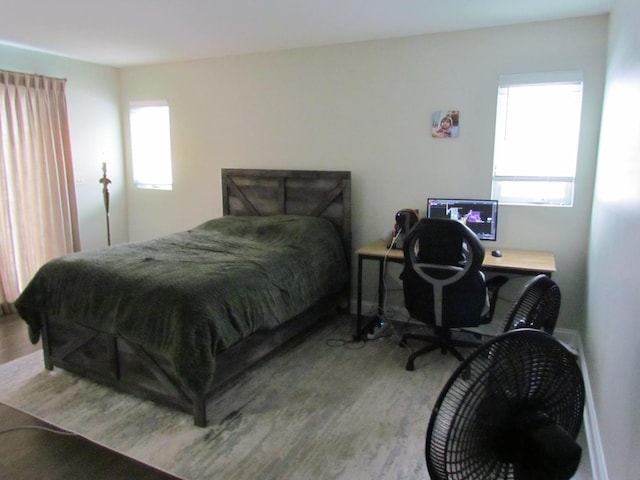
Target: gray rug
[{"x": 322, "y": 408}]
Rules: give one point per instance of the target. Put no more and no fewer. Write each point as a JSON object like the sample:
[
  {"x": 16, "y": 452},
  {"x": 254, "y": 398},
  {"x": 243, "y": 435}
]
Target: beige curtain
[{"x": 38, "y": 215}]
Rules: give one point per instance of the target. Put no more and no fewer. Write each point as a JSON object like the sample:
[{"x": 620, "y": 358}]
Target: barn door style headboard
[{"x": 316, "y": 193}]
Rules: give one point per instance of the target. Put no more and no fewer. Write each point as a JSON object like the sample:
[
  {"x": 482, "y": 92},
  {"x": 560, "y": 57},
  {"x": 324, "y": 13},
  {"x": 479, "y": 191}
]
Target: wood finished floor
[{"x": 29, "y": 453}]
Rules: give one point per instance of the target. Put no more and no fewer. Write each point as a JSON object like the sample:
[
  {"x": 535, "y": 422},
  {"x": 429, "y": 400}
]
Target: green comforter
[{"x": 189, "y": 295}]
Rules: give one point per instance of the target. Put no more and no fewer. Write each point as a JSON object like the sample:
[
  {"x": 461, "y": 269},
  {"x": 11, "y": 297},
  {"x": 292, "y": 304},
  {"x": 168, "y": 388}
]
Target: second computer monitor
[{"x": 481, "y": 216}]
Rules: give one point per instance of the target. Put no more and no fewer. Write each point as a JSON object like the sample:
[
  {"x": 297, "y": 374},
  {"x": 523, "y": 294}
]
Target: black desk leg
[
  {"x": 381, "y": 289},
  {"x": 359, "y": 300},
  {"x": 360, "y": 329}
]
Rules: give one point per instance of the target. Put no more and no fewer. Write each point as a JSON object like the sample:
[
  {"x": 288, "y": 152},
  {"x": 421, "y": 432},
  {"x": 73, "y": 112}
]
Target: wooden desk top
[{"x": 511, "y": 260}]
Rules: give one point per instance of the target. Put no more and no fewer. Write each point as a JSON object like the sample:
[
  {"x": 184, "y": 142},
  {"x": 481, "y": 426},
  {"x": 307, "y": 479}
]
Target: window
[
  {"x": 536, "y": 142},
  {"x": 151, "y": 145}
]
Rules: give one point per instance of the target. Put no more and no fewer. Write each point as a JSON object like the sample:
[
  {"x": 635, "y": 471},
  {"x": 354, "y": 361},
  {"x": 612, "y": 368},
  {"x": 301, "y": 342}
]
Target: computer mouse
[{"x": 496, "y": 253}]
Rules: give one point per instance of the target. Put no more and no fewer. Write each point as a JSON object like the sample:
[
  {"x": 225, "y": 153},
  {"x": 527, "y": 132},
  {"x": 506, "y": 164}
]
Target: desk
[{"x": 521, "y": 262}]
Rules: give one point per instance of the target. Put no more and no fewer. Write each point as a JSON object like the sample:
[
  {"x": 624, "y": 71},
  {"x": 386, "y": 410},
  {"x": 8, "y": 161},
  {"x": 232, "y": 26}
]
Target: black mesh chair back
[
  {"x": 441, "y": 279},
  {"x": 442, "y": 282}
]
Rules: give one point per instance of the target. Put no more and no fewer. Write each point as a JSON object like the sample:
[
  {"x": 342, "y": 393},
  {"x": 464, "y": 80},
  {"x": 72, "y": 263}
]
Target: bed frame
[{"x": 125, "y": 366}]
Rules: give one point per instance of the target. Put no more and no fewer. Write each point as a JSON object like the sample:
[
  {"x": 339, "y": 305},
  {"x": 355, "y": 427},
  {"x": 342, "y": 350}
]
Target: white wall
[
  {"x": 366, "y": 107},
  {"x": 612, "y": 334},
  {"x": 94, "y": 120}
]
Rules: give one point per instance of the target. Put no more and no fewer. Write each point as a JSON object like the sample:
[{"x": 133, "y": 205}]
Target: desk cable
[
  {"x": 383, "y": 313},
  {"x": 37, "y": 427}
]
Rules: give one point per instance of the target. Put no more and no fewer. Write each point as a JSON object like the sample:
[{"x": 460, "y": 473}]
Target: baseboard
[{"x": 590, "y": 420}]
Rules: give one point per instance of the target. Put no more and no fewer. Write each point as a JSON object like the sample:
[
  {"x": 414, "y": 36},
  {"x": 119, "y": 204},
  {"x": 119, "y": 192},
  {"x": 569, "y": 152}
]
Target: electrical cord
[
  {"x": 37, "y": 427},
  {"x": 384, "y": 314},
  {"x": 348, "y": 344},
  {"x": 340, "y": 342},
  {"x": 359, "y": 344}
]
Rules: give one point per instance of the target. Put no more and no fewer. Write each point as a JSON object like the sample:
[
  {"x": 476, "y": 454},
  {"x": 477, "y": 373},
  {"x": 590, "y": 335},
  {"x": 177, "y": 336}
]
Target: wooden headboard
[{"x": 316, "y": 193}]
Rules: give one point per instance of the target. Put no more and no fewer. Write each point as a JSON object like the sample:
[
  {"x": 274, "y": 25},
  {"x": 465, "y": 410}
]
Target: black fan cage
[
  {"x": 538, "y": 306},
  {"x": 471, "y": 433}
]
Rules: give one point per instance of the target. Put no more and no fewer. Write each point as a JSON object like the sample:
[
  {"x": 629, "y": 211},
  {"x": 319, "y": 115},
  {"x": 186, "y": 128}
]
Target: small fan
[{"x": 511, "y": 410}]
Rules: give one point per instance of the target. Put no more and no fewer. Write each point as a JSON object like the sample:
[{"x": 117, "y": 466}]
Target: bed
[{"x": 175, "y": 318}]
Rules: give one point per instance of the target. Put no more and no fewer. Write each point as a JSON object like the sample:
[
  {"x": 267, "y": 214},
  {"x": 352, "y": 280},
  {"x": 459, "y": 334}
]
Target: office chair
[
  {"x": 537, "y": 307},
  {"x": 443, "y": 285}
]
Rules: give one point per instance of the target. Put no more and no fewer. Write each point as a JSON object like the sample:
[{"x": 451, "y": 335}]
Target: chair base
[{"x": 442, "y": 341}]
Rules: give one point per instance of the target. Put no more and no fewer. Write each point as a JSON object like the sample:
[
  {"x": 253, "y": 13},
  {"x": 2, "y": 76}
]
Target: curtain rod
[{"x": 32, "y": 74}]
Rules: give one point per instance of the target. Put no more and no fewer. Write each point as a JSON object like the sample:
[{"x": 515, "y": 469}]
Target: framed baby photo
[{"x": 445, "y": 124}]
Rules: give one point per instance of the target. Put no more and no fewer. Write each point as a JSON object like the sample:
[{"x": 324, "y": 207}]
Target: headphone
[{"x": 406, "y": 219}]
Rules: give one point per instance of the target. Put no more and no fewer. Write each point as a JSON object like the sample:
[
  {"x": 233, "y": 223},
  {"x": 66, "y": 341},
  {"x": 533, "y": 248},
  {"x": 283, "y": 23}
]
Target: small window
[
  {"x": 151, "y": 145},
  {"x": 536, "y": 141}
]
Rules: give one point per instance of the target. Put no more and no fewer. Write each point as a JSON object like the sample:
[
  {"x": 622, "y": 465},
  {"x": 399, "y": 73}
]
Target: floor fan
[{"x": 511, "y": 410}]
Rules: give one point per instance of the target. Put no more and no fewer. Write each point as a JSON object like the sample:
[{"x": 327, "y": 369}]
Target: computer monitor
[{"x": 481, "y": 216}]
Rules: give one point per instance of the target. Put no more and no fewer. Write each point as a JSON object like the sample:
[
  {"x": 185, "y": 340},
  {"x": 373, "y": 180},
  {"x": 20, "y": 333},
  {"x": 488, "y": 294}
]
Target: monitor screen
[{"x": 481, "y": 216}]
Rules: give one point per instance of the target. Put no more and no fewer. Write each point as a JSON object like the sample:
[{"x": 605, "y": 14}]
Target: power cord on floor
[
  {"x": 340, "y": 342},
  {"x": 380, "y": 312},
  {"x": 37, "y": 427},
  {"x": 349, "y": 344},
  {"x": 389, "y": 318}
]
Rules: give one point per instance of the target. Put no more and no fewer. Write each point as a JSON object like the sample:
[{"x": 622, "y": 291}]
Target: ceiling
[{"x": 134, "y": 32}]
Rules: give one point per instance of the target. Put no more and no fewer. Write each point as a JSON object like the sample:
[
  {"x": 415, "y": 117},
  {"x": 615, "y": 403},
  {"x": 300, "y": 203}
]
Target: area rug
[{"x": 323, "y": 407}]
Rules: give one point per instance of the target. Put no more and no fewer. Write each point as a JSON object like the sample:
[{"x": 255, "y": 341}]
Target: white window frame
[
  {"x": 518, "y": 178},
  {"x": 150, "y": 131}
]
